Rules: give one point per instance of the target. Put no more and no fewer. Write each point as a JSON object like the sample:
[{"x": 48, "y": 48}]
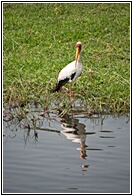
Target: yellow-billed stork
[{"x": 71, "y": 72}]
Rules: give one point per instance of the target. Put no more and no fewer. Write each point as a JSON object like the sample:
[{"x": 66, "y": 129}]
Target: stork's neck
[{"x": 79, "y": 58}]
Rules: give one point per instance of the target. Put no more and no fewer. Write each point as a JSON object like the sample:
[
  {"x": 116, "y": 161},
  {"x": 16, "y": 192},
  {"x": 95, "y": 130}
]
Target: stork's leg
[{"x": 71, "y": 99}]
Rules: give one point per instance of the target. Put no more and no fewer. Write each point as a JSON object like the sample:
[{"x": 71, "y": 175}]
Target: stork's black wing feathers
[
  {"x": 72, "y": 76},
  {"x": 60, "y": 84},
  {"x": 63, "y": 82}
]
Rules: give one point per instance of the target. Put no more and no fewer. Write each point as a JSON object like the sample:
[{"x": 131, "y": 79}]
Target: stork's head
[{"x": 78, "y": 49}]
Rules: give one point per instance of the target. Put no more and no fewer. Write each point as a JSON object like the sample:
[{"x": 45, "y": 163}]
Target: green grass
[{"x": 39, "y": 40}]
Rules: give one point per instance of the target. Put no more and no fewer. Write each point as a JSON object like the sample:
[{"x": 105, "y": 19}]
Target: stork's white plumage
[{"x": 71, "y": 72}]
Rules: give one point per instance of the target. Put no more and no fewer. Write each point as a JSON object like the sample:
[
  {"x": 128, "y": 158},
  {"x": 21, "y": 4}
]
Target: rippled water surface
[{"x": 73, "y": 154}]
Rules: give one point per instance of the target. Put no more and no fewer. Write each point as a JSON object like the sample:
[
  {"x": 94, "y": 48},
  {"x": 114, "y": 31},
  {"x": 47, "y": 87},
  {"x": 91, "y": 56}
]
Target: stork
[{"x": 70, "y": 72}]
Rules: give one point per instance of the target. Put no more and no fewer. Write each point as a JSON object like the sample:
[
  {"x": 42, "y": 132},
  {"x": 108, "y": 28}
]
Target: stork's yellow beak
[{"x": 77, "y": 53}]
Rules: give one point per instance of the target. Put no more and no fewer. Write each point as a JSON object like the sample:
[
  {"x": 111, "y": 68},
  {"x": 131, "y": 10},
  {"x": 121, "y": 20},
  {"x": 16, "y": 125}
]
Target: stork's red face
[
  {"x": 78, "y": 49},
  {"x": 78, "y": 45}
]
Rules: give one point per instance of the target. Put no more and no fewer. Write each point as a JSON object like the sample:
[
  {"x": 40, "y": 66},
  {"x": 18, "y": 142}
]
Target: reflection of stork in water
[{"x": 75, "y": 131}]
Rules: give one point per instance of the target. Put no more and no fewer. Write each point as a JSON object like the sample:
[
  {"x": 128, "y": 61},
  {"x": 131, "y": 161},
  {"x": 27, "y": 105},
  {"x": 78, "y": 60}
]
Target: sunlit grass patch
[{"x": 39, "y": 40}]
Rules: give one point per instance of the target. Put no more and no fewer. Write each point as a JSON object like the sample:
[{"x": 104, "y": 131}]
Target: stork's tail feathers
[
  {"x": 57, "y": 88},
  {"x": 60, "y": 84}
]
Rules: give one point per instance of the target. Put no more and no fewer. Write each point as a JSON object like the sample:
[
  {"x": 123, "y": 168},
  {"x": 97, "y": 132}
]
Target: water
[{"x": 74, "y": 154}]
